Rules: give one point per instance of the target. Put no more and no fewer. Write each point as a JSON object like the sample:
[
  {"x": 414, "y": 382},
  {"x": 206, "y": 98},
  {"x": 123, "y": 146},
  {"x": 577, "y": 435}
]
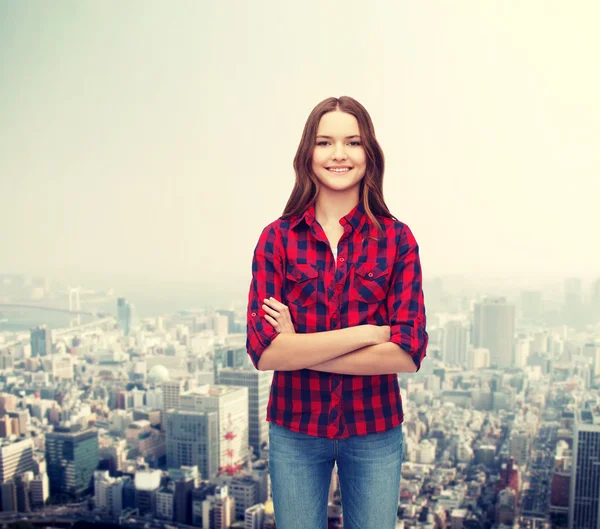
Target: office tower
[
  {"x": 185, "y": 480},
  {"x": 231, "y": 405},
  {"x": 171, "y": 391},
  {"x": 456, "y": 343},
  {"x": 244, "y": 491},
  {"x": 147, "y": 484},
  {"x": 219, "y": 508},
  {"x": 41, "y": 341},
  {"x": 8, "y": 402},
  {"x": 165, "y": 501},
  {"x": 230, "y": 314},
  {"x": 108, "y": 493},
  {"x": 573, "y": 305},
  {"x": 584, "y": 500},
  {"x": 192, "y": 440},
  {"x": 259, "y": 388},
  {"x": 478, "y": 358},
  {"x": 125, "y": 311},
  {"x": 16, "y": 457},
  {"x": 220, "y": 325},
  {"x": 72, "y": 457},
  {"x": 253, "y": 517},
  {"x": 522, "y": 351},
  {"x": 8, "y": 493},
  {"x": 494, "y": 329},
  {"x": 531, "y": 306},
  {"x": 39, "y": 488},
  {"x": 591, "y": 354},
  {"x": 234, "y": 356}
]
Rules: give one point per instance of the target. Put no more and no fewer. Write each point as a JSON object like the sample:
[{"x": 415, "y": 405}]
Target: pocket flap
[
  {"x": 370, "y": 270},
  {"x": 299, "y": 272}
]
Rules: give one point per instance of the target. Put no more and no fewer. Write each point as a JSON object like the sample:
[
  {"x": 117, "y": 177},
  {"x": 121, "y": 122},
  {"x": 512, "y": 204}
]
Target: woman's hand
[{"x": 278, "y": 315}]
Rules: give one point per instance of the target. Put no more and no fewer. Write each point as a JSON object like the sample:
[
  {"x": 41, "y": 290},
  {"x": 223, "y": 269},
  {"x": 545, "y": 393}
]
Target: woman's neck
[{"x": 329, "y": 209}]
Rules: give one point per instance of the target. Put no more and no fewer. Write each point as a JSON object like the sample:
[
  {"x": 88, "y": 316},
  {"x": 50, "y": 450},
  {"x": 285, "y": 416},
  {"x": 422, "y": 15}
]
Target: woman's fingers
[
  {"x": 269, "y": 310},
  {"x": 272, "y": 321}
]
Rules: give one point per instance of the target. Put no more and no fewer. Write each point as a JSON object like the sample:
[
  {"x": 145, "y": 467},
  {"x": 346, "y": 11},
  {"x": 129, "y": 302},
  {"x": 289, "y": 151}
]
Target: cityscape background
[{"x": 145, "y": 146}]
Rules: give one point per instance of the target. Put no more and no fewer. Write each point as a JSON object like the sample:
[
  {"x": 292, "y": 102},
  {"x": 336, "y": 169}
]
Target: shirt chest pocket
[
  {"x": 302, "y": 284},
  {"x": 371, "y": 281}
]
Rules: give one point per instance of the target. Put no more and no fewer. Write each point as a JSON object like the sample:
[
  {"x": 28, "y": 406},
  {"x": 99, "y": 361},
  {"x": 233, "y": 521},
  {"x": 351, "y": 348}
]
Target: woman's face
[{"x": 338, "y": 144}]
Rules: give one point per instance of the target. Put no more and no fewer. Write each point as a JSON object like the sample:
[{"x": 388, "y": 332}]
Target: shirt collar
[{"x": 356, "y": 217}]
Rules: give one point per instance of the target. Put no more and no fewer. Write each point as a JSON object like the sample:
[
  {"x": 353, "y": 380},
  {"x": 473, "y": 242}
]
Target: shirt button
[
  {"x": 342, "y": 259},
  {"x": 299, "y": 276},
  {"x": 254, "y": 314},
  {"x": 339, "y": 287},
  {"x": 370, "y": 274},
  {"x": 334, "y": 316}
]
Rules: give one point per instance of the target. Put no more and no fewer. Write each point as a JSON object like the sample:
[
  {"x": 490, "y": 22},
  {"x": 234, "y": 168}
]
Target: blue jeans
[{"x": 369, "y": 468}]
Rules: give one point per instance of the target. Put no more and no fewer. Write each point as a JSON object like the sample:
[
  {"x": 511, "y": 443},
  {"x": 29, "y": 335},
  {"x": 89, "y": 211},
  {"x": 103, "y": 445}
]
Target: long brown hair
[{"x": 305, "y": 193}]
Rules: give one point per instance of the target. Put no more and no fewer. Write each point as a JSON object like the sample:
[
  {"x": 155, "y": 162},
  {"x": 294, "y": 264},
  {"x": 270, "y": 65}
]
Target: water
[{"x": 154, "y": 300}]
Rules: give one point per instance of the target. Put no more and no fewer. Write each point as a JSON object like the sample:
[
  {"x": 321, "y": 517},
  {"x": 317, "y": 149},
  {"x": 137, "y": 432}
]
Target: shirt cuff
[
  {"x": 412, "y": 339},
  {"x": 260, "y": 334}
]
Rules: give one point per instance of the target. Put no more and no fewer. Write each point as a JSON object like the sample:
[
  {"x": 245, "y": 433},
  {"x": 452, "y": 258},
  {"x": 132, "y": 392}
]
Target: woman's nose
[{"x": 339, "y": 153}]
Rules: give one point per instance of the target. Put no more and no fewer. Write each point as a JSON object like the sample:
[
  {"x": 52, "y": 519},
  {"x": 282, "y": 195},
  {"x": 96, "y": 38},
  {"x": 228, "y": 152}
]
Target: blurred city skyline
[{"x": 152, "y": 144}]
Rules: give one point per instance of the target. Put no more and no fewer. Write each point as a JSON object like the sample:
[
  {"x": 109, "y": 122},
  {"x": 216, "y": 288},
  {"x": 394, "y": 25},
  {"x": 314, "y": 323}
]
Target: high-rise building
[
  {"x": 494, "y": 329},
  {"x": 185, "y": 480},
  {"x": 231, "y": 405},
  {"x": 259, "y": 388},
  {"x": 16, "y": 457},
  {"x": 171, "y": 391},
  {"x": 108, "y": 493},
  {"x": 219, "y": 508},
  {"x": 41, "y": 341},
  {"x": 147, "y": 485},
  {"x": 584, "y": 500},
  {"x": 456, "y": 343},
  {"x": 192, "y": 440},
  {"x": 72, "y": 457},
  {"x": 253, "y": 518},
  {"x": 125, "y": 311}
]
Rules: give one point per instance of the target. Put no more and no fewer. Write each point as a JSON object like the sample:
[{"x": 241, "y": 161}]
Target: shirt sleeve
[
  {"x": 267, "y": 279},
  {"x": 405, "y": 302}
]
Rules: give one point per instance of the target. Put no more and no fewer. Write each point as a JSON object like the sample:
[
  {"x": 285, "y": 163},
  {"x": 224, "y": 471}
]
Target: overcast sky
[{"x": 154, "y": 140}]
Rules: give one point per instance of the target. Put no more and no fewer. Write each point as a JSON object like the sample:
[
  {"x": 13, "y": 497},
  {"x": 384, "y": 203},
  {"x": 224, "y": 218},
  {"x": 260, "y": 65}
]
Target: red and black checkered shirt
[{"x": 374, "y": 282}]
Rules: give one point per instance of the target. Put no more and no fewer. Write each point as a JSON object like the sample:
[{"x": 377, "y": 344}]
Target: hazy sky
[{"x": 150, "y": 140}]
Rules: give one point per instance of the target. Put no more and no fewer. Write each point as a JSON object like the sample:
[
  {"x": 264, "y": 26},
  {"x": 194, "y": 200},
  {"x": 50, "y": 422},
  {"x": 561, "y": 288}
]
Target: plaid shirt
[{"x": 374, "y": 283}]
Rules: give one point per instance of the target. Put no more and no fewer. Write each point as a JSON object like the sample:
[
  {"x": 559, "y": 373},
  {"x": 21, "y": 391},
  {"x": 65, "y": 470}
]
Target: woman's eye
[{"x": 355, "y": 143}]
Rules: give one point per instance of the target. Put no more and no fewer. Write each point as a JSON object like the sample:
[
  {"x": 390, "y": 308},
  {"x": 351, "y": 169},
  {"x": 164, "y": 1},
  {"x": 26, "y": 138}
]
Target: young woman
[{"x": 336, "y": 310}]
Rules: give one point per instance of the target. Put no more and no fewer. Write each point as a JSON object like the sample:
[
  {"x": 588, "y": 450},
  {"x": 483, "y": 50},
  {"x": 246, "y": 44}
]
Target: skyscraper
[
  {"x": 15, "y": 458},
  {"x": 41, "y": 341},
  {"x": 456, "y": 343},
  {"x": 584, "y": 500},
  {"x": 192, "y": 440},
  {"x": 71, "y": 457},
  {"x": 494, "y": 329},
  {"x": 259, "y": 387},
  {"x": 125, "y": 315},
  {"x": 231, "y": 405}
]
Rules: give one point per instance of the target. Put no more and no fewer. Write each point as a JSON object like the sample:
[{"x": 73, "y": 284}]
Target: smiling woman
[{"x": 336, "y": 309}]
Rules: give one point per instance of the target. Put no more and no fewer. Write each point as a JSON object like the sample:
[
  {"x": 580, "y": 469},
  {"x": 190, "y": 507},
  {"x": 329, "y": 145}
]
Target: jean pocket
[
  {"x": 302, "y": 284},
  {"x": 371, "y": 281}
]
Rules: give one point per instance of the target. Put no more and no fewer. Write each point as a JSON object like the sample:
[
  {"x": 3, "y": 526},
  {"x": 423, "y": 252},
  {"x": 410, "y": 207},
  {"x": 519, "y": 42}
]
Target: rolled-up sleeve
[
  {"x": 405, "y": 301},
  {"x": 267, "y": 276}
]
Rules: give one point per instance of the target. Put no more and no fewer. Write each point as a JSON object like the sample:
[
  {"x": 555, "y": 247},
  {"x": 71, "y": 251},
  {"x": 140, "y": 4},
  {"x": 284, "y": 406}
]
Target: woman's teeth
[{"x": 346, "y": 169}]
